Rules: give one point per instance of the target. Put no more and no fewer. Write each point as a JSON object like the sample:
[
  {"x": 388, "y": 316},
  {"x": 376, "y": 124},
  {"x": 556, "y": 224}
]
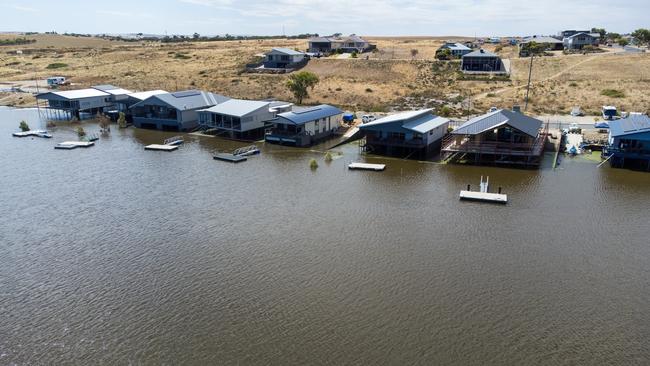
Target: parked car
[{"x": 368, "y": 118}]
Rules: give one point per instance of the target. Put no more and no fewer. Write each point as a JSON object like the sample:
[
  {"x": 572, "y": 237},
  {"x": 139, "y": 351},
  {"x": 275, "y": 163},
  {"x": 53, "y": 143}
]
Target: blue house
[
  {"x": 415, "y": 134},
  {"x": 241, "y": 119},
  {"x": 173, "y": 111},
  {"x": 305, "y": 126},
  {"x": 629, "y": 142},
  {"x": 456, "y": 50},
  {"x": 284, "y": 58}
]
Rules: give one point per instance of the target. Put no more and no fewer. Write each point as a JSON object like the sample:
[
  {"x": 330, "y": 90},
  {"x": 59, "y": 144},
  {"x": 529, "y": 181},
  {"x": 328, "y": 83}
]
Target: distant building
[
  {"x": 304, "y": 127},
  {"x": 92, "y": 100},
  {"x": 284, "y": 58},
  {"x": 241, "y": 119},
  {"x": 501, "y": 137},
  {"x": 579, "y": 40},
  {"x": 482, "y": 61},
  {"x": 416, "y": 134},
  {"x": 456, "y": 49},
  {"x": 571, "y": 32},
  {"x": 629, "y": 142},
  {"x": 331, "y": 44},
  {"x": 548, "y": 44},
  {"x": 173, "y": 111}
]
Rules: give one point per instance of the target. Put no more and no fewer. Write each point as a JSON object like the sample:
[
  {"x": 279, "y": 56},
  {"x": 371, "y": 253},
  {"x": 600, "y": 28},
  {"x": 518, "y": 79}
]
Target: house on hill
[
  {"x": 415, "y": 134},
  {"x": 284, "y": 58},
  {"x": 501, "y": 137},
  {"x": 456, "y": 50},
  {"x": 547, "y": 43},
  {"x": 629, "y": 142},
  {"x": 579, "y": 40},
  {"x": 305, "y": 126},
  {"x": 331, "y": 44},
  {"x": 482, "y": 61},
  {"x": 176, "y": 111}
]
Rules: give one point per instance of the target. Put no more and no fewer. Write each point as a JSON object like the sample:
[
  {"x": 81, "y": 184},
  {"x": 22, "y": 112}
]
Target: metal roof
[
  {"x": 541, "y": 39},
  {"x": 455, "y": 46},
  {"x": 634, "y": 123},
  {"x": 480, "y": 124},
  {"x": 189, "y": 99},
  {"x": 480, "y": 53},
  {"x": 237, "y": 107},
  {"x": 308, "y": 114},
  {"x": 592, "y": 35},
  {"x": 417, "y": 121},
  {"x": 112, "y": 90},
  {"x": 146, "y": 94},
  {"x": 76, "y": 94},
  {"x": 287, "y": 51}
]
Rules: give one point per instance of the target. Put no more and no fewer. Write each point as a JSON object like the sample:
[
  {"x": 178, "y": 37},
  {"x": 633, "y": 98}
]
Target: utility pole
[{"x": 530, "y": 72}]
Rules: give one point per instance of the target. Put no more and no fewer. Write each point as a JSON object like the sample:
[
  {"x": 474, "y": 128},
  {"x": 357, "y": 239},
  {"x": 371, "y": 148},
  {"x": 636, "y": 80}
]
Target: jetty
[
  {"x": 483, "y": 195},
  {"x": 160, "y": 147},
  {"x": 35, "y": 133},
  {"x": 229, "y": 158},
  {"x": 367, "y": 166},
  {"x": 69, "y": 145}
]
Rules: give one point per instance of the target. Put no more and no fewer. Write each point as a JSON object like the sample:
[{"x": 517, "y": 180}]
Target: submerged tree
[
  {"x": 121, "y": 120},
  {"x": 104, "y": 122},
  {"x": 24, "y": 126},
  {"x": 80, "y": 132},
  {"x": 300, "y": 82}
]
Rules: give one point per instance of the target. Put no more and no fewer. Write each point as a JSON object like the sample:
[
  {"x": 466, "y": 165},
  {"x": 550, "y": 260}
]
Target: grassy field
[{"x": 389, "y": 79}]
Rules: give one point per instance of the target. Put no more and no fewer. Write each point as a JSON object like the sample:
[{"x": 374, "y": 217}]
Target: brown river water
[{"x": 114, "y": 255}]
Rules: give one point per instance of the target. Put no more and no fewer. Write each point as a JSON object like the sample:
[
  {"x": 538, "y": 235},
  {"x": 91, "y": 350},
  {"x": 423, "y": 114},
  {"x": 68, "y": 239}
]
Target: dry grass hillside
[{"x": 390, "y": 78}]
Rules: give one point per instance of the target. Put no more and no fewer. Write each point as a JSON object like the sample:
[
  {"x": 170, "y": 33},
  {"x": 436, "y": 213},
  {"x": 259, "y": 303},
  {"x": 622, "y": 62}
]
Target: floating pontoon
[{"x": 483, "y": 195}]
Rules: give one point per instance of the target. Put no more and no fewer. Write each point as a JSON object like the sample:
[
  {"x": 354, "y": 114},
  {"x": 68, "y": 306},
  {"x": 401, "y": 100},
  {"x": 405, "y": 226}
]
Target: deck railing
[{"x": 457, "y": 143}]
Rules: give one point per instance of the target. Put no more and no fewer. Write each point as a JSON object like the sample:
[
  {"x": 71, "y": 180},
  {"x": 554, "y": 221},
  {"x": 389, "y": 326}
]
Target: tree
[
  {"x": 104, "y": 122},
  {"x": 443, "y": 54},
  {"x": 24, "y": 126},
  {"x": 534, "y": 49},
  {"x": 600, "y": 31},
  {"x": 414, "y": 52},
  {"x": 622, "y": 42},
  {"x": 80, "y": 132},
  {"x": 642, "y": 35},
  {"x": 613, "y": 36},
  {"x": 121, "y": 120},
  {"x": 196, "y": 36},
  {"x": 300, "y": 82}
]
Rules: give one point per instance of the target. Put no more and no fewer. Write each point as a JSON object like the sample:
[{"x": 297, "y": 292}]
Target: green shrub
[
  {"x": 56, "y": 65},
  {"x": 613, "y": 93},
  {"x": 313, "y": 164},
  {"x": 80, "y": 132},
  {"x": 24, "y": 126},
  {"x": 328, "y": 157}
]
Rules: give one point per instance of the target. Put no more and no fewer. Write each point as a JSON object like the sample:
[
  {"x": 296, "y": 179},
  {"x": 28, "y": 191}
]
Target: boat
[
  {"x": 484, "y": 195},
  {"x": 573, "y": 150},
  {"x": 246, "y": 151},
  {"x": 176, "y": 140}
]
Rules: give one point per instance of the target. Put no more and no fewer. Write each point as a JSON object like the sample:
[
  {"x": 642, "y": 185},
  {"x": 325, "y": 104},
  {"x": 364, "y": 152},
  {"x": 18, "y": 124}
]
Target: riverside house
[
  {"x": 174, "y": 111},
  {"x": 629, "y": 142},
  {"x": 92, "y": 100},
  {"x": 305, "y": 126},
  {"x": 241, "y": 119},
  {"x": 501, "y": 137},
  {"x": 415, "y": 134}
]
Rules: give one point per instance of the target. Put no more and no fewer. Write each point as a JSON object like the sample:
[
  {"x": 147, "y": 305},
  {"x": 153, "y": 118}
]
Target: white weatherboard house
[
  {"x": 306, "y": 126},
  {"x": 237, "y": 118}
]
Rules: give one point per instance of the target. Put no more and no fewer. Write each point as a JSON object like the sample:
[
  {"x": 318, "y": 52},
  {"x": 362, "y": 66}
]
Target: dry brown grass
[{"x": 390, "y": 74}]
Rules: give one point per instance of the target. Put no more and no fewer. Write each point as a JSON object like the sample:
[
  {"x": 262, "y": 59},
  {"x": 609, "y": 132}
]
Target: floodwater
[{"x": 113, "y": 255}]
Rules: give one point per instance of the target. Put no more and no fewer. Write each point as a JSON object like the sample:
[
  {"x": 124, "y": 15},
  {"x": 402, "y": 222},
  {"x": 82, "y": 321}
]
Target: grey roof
[
  {"x": 592, "y": 35},
  {"x": 455, "y": 46},
  {"x": 541, "y": 39},
  {"x": 319, "y": 39},
  {"x": 105, "y": 87},
  {"x": 237, "y": 107},
  {"x": 354, "y": 38},
  {"x": 112, "y": 90},
  {"x": 189, "y": 99},
  {"x": 480, "y": 124},
  {"x": 146, "y": 94},
  {"x": 287, "y": 51},
  {"x": 480, "y": 53},
  {"x": 634, "y": 123},
  {"x": 75, "y": 94},
  {"x": 299, "y": 117},
  {"x": 417, "y": 121}
]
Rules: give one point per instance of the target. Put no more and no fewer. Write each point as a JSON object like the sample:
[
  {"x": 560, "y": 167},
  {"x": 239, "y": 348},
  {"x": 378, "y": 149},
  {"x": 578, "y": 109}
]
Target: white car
[{"x": 368, "y": 118}]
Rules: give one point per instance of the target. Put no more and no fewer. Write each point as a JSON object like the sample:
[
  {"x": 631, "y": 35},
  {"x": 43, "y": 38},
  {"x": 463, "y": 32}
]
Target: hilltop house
[
  {"x": 501, "y": 137},
  {"x": 241, "y": 119},
  {"x": 303, "y": 127},
  {"x": 482, "y": 61},
  {"x": 327, "y": 45},
  {"x": 547, "y": 43},
  {"x": 173, "y": 111},
  {"x": 284, "y": 58},
  {"x": 91, "y": 100},
  {"x": 456, "y": 50},
  {"x": 579, "y": 40},
  {"x": 629, "y": 142},
  {"x": 416, "y": 134}
]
